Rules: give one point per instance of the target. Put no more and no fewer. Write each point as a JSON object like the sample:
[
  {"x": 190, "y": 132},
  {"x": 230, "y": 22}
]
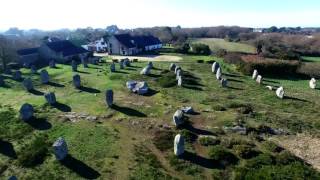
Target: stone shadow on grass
[
  {"x": 36, "y": 92},
  {"x": 83, "y": 72},
  {"x": 128, "y": 111},
  {"x": 80, "y": 168},
  {"x": 89, "y": 90},
  {"x": 121, "y": 72},
  {"x": 295, "y": 99},
  {"x": 235, "y": 80},
  {"x": 39, "y": 124},
  {"x": 55, "y": 84},
  {"x": 151, "y": 92},
  {"x": 188, "y": 126},
  {"x": 154, "y": 75},
  {"x": 232, "y": 75},
  {"x": 192, "y": 87},
  {"x": 6, "y": 148},
  {"x": 199, "y": 160},
  {"x": 270, "y": 81},
  {"x": 62, "y": 107},
  {"x": 235, "y": 88}
]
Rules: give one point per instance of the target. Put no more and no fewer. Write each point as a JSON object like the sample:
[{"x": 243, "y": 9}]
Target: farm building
[
  {"x": 61, "y": 51},
  {"x": 126, "y": 44}
]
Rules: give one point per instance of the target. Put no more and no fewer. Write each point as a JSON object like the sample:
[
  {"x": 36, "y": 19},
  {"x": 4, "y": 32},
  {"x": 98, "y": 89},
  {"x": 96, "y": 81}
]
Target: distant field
[
  {"x": 216, "y": 44},
  {"x": 311, "y": 59}
]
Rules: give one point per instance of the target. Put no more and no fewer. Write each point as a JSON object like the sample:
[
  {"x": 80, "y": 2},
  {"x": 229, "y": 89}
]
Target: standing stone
[
  {"x": 215, "y": 67},
  {"x": 313, "y": 83},
  {"x": 219, "y": 74},
  {"x": 178, "y": 145},
  {"x": 13, "y": 178},
  {"x": 74, "y": 66},
  {"x": 255, "y": 74},
  {"x": 2, "y": 83},
  {"x": 17, "y": 75},
  {"x": 44, "y": 76},
  {"x": 27, "y": 83},
  {"x": 50, "y": 98},
  {"x": 179, "y": 74},
  {"x": 150, "y": 64},
  {"x": 179, "y": 81},
  {"x": 113, "y": 67},
  {"x": 76, "y": 81},
  {"x": 141, "y": 88},
  {"x": 280, "y": 92},
  {"x": 178, "y": 118},
  {"x": 60, "y": 149},
  {"x": 259, "y": 79},
  {"x": 172, "y": 67},
  {"x": 145, "y": 71},
  {"x": 121, "y": 65},
  {"x": 127, "y": 62},
  {"x": 33, "y": 69},
  {"x": 176, "y": 69},
  {"x": 224, "y": 83},
  {"x": 84, "y": 62},
  {"x": 131, "y": 85},
  {"x": 109, "y": 97},
  {"x": 187, "y": 110},
  {"x": 26, "y": 112},
  {"x": 52, "y": 64}
]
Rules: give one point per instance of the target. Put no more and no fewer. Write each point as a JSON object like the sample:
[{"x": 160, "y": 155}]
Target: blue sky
[{"x": 55, "y": 14}]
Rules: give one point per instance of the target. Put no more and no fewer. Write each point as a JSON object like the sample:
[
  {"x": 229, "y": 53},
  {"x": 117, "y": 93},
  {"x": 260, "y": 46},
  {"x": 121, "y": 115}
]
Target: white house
[{"x": 97, "y": 46}]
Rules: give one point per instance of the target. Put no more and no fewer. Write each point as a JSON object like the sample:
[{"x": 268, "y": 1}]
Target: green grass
[
  {"x": 216, "y": 44},
  {"x": 311, "y": 59},
  {"x": 120, "y": 144}
]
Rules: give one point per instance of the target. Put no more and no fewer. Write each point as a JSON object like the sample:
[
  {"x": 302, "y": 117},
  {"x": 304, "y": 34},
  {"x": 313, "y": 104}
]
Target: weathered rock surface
[
  {"x": 255, "y": 74},
  {"x": 215, "y": 67},
  {"x": 224, "y": 83},
  {"x": 26, "y": 112},
  {"x": 150, "y": 65},
  {"x": 172, "y": 67},
  {"x": 179, "y": 81},
  {"x": 219, "y": 74},
  {"x": 139, "y": 87},
  {"x": 50, "y": 98},
  {"x": 27, "y": 83},
  {"x": 60, "y": 149},
  {"x": 109, "y": 97},
  {"x": 176, "y": 69},
  {"x": 178, "y": 145},
  {"x": 187, "y": 110},
  {"x": 280, "y": 92},
  {"x": 76, "y": 81},
  {"x": 44, "y": 76},
  {"x": 313, "y": 83},
  {"x": 145, "y": 71},
  {"x": 236, "y": 129},
  {"x": 259, "y": 79},
  {"x": 178, "y": 118}
]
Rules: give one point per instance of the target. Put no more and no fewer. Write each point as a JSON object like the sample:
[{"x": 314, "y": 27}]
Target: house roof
[
  {"x": 66, "y": 48},
  {"x": 139, "y": 41},
  {"x": 28, "y": 51}
]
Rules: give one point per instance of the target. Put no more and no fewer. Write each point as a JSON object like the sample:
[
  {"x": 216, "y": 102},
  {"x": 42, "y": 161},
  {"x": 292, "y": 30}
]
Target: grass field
[
  {"x": 311, "y": 59},
  {"x": 134, "y": 139},
  {"x": 216, "y": 44}
]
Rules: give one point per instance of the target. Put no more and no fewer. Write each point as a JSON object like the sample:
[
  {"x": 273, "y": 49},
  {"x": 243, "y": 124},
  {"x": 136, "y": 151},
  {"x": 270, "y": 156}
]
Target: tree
[{"x": 6, "y": 51}]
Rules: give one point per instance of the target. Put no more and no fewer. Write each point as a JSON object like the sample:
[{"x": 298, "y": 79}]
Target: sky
[{"x": 56, "y": 14}]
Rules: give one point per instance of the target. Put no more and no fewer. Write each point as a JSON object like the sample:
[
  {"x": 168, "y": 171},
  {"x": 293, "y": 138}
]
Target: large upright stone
[
  {"x": 50, "y": 98},
  {"x": 84, "y": 62},
  {"x": 44, "y": 76},
  {"x": 219, "y": 74},
  {"x": 74, "y": 66},
  {"x": 126, "y": 62},
  {"x": 109, "y": 97},
  {"x": 176, "y": 69},
  {"x": 178, "y": 145},
  {"x": 26, "y": 112},
  {"x": 215, "y": 67},
  {"x": 121, "y": 65},
  {"x": 27, "y": 83},
  {"x": 313, "y": 83},
  {"x": 179, "y": 74},
  {"x": 180, "y": 81},
  {"x": 2, "y": 83},
  {"x": 145, "y": 71},
  {"x": 280, "y": 92},
  {"x": 33, "y": 69},
  {"x": 150, "y": 64},
  {"x": 141, "y": 88},
  {"x": 76, "y": 81},
  {"x": 259, "y": 79},
  {"x": 172, "y": 67},
  {"x": 224, "y": 83},
  {"x": 52, "y": 64},
  {"x": 255, "y": 74},
  {"x": 113, "y": 67},
  {"x": 178, "y": 118},
  {"x": 60, "y": 149},
  {"x": 17, "y": 75}
]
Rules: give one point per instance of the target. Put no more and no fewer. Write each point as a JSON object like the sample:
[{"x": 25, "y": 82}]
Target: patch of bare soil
[{"x": 303, "y": 146}]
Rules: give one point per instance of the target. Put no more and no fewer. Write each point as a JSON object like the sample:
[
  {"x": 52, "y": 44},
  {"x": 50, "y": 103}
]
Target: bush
[
  {"x": 209, "y": 141},
  {"x": 200, "y": 49},
  {"x": 245, "y": 151},
  {"x": 222, "y": 155},
  {"x": 34, "y": 153},
  {"x": 183, "y": 49},
  {"x": 221, "y": 53},
  {"x": 233, "y": 58}
]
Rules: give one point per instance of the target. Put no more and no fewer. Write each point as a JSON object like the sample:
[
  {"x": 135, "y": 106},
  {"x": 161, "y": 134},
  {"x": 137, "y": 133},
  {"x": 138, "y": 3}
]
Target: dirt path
[{"x": 162, "y": 58}]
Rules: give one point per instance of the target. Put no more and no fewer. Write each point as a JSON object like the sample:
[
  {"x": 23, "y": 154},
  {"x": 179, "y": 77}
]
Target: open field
[
  {"x": 155, "y": 58},
  {"x": 134, "y": 139},
  {"x": 216, "y": 44},
  {"x": 311, "y": 59}
]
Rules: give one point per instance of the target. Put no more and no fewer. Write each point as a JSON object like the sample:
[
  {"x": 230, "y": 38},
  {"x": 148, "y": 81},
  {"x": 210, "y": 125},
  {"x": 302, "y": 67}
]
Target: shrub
[
  {"x": 200, "y": 49},
  {"x": 34, "y": 153},
  {"x": 183, "y": 49},
  {"x": 221, "y": 53},
  {"x": 222, "y": 155},
  {"x": 245, "y": 151},
  {"x": 259, "y": 161},
  {"x": 209, "y": 141},
  {"x": 233, "y": 58}
]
